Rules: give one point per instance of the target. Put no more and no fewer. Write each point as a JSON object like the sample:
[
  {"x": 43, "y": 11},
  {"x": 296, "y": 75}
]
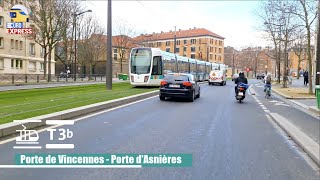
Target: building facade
[
  {"x": 19, "y": 54},
  {"x": 198, "y": 43}
]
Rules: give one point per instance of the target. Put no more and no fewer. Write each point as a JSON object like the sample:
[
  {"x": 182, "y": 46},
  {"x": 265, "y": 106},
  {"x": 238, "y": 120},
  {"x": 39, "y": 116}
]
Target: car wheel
[
  {"x": 162, "y": 98},
  {"x": 198, "y": 96},
  {"x": 221, "y": 84},
  {"x": 191, "y": 99},
  {"x": 209, "y": 83}
]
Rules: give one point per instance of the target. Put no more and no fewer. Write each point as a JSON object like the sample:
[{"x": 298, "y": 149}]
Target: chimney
[
  {"x": 189, "y": 28},
  {"x": 179, "y": 29},
  {"x": 170, "y": 30},
  {"x": 161, "y": 32},
  {"x": 194, "y": 27},
  {"x": 153, "y": 32}
]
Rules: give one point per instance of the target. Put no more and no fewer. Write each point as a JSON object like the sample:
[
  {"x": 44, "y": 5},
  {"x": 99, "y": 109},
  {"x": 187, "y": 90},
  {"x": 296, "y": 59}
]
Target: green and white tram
[{"x": 148, "y": 66}]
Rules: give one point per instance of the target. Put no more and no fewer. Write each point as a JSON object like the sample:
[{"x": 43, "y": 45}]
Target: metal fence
[{"x": 7, "y": 79}]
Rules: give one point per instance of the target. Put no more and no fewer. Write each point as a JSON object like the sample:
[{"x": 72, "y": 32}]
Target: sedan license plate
[
  {"x": 240, "y": 93},
  {"x": 174, "y": 85}
]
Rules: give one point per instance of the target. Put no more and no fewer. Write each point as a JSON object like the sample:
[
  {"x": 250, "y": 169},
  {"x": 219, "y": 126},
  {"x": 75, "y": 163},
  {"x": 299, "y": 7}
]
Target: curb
[
  {"x": 304, "y": 141},
  {"x": 291, "y": 97},
  {"x": 10, "y": 128},
  {"x": 312, "y": 109}
]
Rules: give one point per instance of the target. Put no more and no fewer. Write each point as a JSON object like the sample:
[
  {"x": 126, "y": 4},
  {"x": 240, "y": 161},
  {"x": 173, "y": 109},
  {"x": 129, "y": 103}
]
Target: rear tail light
[
  {"x": 241, "y": 89},
  {"x": 132, "y": 78},
  {"x": 162, "y": 83},
  {"x": 146, "y": 78},
  {"x": 187, "y": 84}
]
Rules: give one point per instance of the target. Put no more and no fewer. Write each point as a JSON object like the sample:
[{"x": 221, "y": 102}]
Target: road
[{"x": 228, "y": 140}]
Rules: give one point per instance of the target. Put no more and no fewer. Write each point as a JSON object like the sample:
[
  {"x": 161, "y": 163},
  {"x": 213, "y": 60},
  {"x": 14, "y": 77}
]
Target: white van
[{"x": 218, "y": 77}]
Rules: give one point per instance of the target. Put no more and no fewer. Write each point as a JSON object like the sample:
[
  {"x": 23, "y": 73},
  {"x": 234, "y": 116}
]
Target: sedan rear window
[{"x": 176, "y": 78}]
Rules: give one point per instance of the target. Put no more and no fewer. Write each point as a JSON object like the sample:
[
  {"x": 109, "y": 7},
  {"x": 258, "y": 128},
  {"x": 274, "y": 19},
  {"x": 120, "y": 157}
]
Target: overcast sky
[{"x": 233, "y": 20}]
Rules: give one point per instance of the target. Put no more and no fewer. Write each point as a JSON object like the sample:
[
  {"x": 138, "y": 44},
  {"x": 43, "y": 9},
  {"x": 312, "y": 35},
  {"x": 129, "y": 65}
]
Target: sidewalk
[
  {"x": 55, "y": 84},
  {"x": 297, "y": 92}
]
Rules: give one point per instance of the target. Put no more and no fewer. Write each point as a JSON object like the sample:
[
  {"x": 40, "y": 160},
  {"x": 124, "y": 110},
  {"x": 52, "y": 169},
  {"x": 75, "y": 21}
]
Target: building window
[
  {"x": 185, "y": 41},
  {"x": 12, "y": 44},
  {"x": 220, "y": 50},
  {"x": 193, "y": 49},
  {"x": 184, "y": 49},
  {"x": 1, "y": 63},
  {"x": 17, "y": 44},
  {"x": 178, "y": 42},
  {"x": 1, "y": 18},
  {"x": 177, "y": 50},
  {"x": 115, "y": 50},
  {"x": 19, "y": 64},
  {"x": 12, "y": 63},
  {"x": 215, "y": 57},
  {"x": 115, "y": 57},
  {"x": 193, "y": 56},
  {"x": 193, "y": 41},
  {"x": 1, "y": 42},
  {"x": 167, "y": 49},
  {"x": 167, "y": 43},
  {"x": 42, "y": 52},
  {"x": 41, "y": 66},
  {"x": 32, "y": 50},
  {"x": 210, "y": 56},
  {"x": 21, "y": 45},
  {"x": 159, "y": 44}
]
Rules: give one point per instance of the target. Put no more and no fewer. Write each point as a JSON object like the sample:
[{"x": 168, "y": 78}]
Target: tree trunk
[
  {"x": 299, "y": 61},
  {"x": 310, "y": 62},
  {"x": 49, "y": 64},
  {"x": 45, "y": 63},
  {"x": 279, "y": 64},
  {"x": 121, "y": 65}
]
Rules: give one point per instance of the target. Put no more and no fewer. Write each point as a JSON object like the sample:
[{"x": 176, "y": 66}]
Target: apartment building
[
  {"x": 19, "y": 54},
  {"x": 198, "y": 43}
]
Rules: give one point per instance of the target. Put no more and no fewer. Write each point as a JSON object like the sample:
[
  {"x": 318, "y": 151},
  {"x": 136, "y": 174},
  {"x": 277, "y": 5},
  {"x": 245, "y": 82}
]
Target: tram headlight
[{"x": 132, "y": 78}]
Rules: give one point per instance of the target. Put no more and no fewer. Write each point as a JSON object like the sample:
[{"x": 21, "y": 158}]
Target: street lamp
[
  {"x": 109, "y": 49},
  {"x": 75, "y": 41}
]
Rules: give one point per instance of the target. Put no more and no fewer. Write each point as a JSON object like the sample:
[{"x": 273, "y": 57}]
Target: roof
[
  {"x": 118, "y": 41},
  {"x": 196, "y": 32}
]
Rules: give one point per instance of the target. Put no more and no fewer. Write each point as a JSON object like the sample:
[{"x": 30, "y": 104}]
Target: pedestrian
[{"x": 305, "y": 76}]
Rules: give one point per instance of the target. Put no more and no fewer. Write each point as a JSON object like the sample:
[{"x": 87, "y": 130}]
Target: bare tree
[
  {"x": 123, "y": 42},
  {"x": 92, "y": 42},
  {"x": 50, "y": 16},
  {"x": 307, "y": 12},
  {"x": 299, "y": 46}
]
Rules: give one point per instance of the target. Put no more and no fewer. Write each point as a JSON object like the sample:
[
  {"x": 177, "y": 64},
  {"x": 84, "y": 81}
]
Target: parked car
[
  {"x": 261, "y": 76},
  {"x": 234, "y": 77},
  {"x": 180, "y": 85},
  {"x": 217, "y": 76}
]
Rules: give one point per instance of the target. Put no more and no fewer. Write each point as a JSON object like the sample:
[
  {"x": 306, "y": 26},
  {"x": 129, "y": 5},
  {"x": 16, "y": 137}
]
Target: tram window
[{"x": 157, "y": 65}]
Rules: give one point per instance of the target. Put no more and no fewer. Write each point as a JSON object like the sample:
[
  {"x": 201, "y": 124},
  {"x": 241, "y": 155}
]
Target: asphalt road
[{"x": 228, "y": 140}]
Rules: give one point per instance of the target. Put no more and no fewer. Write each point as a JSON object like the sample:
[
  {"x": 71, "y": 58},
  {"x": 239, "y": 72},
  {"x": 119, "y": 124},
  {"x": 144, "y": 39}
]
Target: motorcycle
[{"x": 241, "y": 91}]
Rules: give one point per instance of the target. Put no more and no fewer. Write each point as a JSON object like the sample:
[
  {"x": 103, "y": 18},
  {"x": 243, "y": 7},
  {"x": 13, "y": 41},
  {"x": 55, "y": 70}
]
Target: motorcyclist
[{"x": 239, "y": 80}]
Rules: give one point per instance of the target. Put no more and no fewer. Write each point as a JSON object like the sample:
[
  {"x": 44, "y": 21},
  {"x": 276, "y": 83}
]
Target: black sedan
[
  {"x": 179, "y": 85},
  {"x": 261, "y": 76}
]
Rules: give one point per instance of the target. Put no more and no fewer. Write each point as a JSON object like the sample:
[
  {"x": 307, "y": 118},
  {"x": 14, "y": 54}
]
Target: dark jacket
[
  {"x": 305, "y": 74},
  {"x": 241, "y": 79}
]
